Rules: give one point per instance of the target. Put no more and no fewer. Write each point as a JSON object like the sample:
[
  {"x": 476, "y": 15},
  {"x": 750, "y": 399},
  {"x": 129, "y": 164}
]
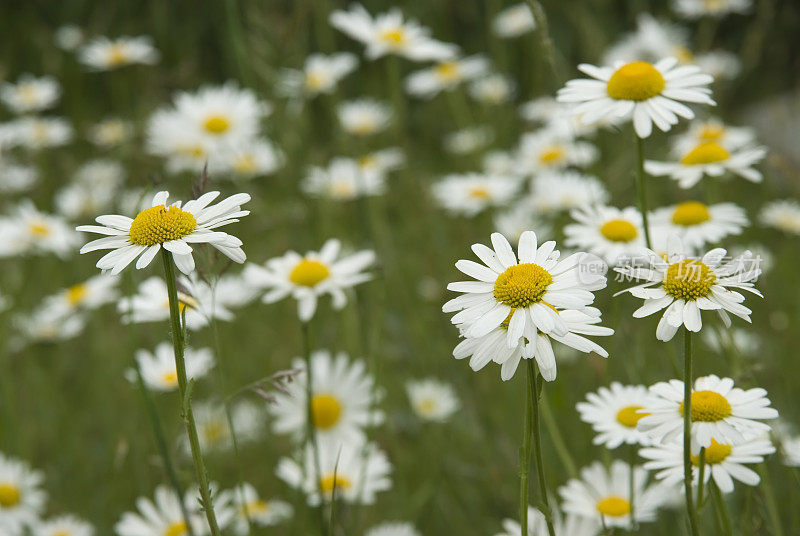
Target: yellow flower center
[
  {"x": 365, "y": 125},
  {"x": 619, "y": 230},
  {"x": 394, "y": 37},
  {"x": 505, "y": 323},
  {"x": 309, "y": 273},
  {"x": 709, "y": 406},
  {"x": 214, "y": 431},
  {"x": 9, "y": 495},
  {"x": 342, "y": 189},
  {"x": 328, "y": 483},
  {"x": 690, "y": 213},
  {"x": 705, "y": 153},
  {"x": 448, "y": 71},
  {"x": 613, "y": 506},
  {"x": 192, "y": 151},
  {"x": 522, "y": 285},
  {"x": 170, "y": 377},
  {"x": 217, "y": 124},
  {"x": 160, "y": 224},
  {"x": 39, "y": 229},
  {"x": 367, "y": 162},
  {"x": 117, "y": 54},
  {"x": 715, "y": 453},
  {"x": 62, "y": 533},
  {"x": 552, "y": 155},
  {"x": 325, "y": 410},
  {"x": 479, "y": 192},
  {"x": 27, "y": 93},
  {"x": 636, "y": 81},
  {"x": 258, "y": 506},
  {"x": 245, "y": 164},
  {"x": 77, "y": 293},
  {"x": 315, "y": 81},
  {"x": 711, "y": 132},
  {"x": 689, "y": 280},
  {"x": 683, "y": 54},
  {"x": 629, "y": 417},
  {"x": 176, "y": 529},
  {"x": 427, "y": 406}
]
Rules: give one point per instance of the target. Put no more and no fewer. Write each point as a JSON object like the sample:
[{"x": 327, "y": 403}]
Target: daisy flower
[
  {"x": 355, "y": 471},
  {"x": 320, "y": 74},
  {"x": 608, "y": 232},
  {"x": 724, "y": 462},
  {"x": 22, "y": 499},
  {"x": 499, "y": 163},
  {"x": 605, "y": 495},
  {"x": 492, "y": 89},
  {"x": 714, "y": 131},
  {"x": 307, "y": 277},
  {"x": 537, "y": 525},
  {"x": 94, "y": 189},
  {"x": 652, "y": 40},
  {"x": 565, "y": 190},
  {"x": 39, "y": 233},
  {"x": 68, "y": 37},
  {"x": 17, "y": 178},
  {"x": 698, "y": 224},
  {"x": 395, "y": 528},
  {"x": 695, "y": 9},
  {"x": 382, "y": 161},
  {"x": 86, "y": 296},
  {"x": 743, "y": 341},
  {"x": 685, "y": 286},
  {"x": 548, "y": 150},
  {"x": 109, "y": 133},
  {"x": 472, "y": 193},
  {"x": 513, "y": 21},
  {"x": 342, "y": 398},
  {"x": 614, "y": 413},
  {"x": 158, "y": 368},
  {"x": 262, "y": 513},
  {"x": 555, "y": 116},
  {"x": 445, "y": 76},
  {"x": 432, "y": 400},
  {"x": 30, "y": 94},
  {"x": 364, "y": 117},
  {"x": 213, "y": 427},
  {"x": 389, "y": 33},
  {"x": 782, "y": 214},
  {"x": 162, "y": 515},
  {"x": 48, "y": 325},
  {"x": 343, "y": 179},
  {"x": 720, "y": 412},
  {"x": 712, "y": 159},
  {"x": 172, "y": 227},
  {"x": 790, "y": 451},
  {"x": 40, "y": 132},
  {"x": 519, "y": 218},
  {"x": 647, "y": 93},
  {"x": 104, "y": 54},
  {"x": 252, "y": 158},
  {"x": 65, "y": 525},
  {"x": 468, "y": 140}
]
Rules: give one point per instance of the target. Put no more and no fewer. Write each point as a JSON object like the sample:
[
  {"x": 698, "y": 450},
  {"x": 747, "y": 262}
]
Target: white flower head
[
  {"x": 513, "y": 21},
  {"x": 320, "y": 74},
  {"x": 158, "y": 368},
  {"x": 104, "y": 54},
  {"x": 30, "y": 94},
  {"x": 470, "y": 194},
  {"x": 22, "y": 499},
  {"x": 445, "y": 76},
  {"x": 608, "y": 232},
  {"x": 782, "y": 214},
  {"x": 710, "y": 159},
  {"x": 344, "y": 179},
  {"x": 695, "y": 9},
  {"x": 364, "y": 117},
  {"x": 492, "y": 89},
  {"x": 549, "y": 150},
  {"x": 162, "y": 515},
  {"x": 698, "y": 224},
  {"x": 393, "y": 528},
  {"x": 65, "y": 525},
  {"x": 556, "y": 191},
  {"x": 432, "y": 400},
  {"x": 613, "y": 412},
  {"x": 261, "y": 512}
]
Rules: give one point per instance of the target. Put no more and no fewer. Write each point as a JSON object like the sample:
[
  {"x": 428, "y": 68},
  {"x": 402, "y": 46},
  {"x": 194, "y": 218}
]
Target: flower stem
[
  {"x": 700, "y": 477},
  {"x": 311, "y": 432},
  {"x": 535, "y": 389},
  {"x": 525, "y": 456},
  {"x": 719, "y": 504},
  {"x": 184, "y": 386},
  {"x": 687, "y": 427},
  {"x": 641, "y": 189}
]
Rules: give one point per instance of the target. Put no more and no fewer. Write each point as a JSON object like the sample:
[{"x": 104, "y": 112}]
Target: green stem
[
  {"x": 546, "y": 42},
  {"x": 722, "y": 510},
  {"x": 687, "y": 427},
  {"x": 701, "y": 476},
  {"x": 534, "y": 386},
  {"x": 641, "y": 188},
  {"x": 311, "y": 431},
  {"x": 525, "y": 456},
  {"x": 772, "y": 506},
  {"x": 183, "y": 385},
  {"x": 632, "y": 485},
  {"x": 398, "y": 99}
]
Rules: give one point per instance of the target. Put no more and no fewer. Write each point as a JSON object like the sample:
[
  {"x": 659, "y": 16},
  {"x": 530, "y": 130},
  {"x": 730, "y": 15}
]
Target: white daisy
[
  {"x": 213, "y": 428},
  {"x": 685, "y": 286},
  {"x": 720, "y": 64},
  {"x": 548, "y": 150},
  {"x": 252, "y": 158},
  {"x": 695, "y": 9},
  {"x": 17, "y": 178},
  {"x": 68, "y": 37},
  {"x": 712, "y": 159},
  {"x": 513, "y": 21},
  {"x": 468, "y": 140},
  {"x": 652, "y": 40},
  {"x": 342, "y": 398},
  {"x": 608, "y": 232},
  {"x": 565, "y": 190},
  {"x": 492, "y": 89},
  {"x": 388, "y": 33},
  {"x": 432, "y": 400},
  {"x": 356, "y": 472},
  {"x": 723, "y": 462},
  {"x": 781, "y": 214},
  {"x": 698, "y": 224},
  {"x": 714, "y": 130},
  {"x": 34, "y": 232},
  {"x": 720, "y": 412},
  {"x": 65, "y": 525},
  {"x": 110, "y": 133},
  {"x": 557, "y": 117},
  {"x": 88, "y": 295},
  {"x": 39, "y": 132},
  {"x": 744, "y": 341},
  {"x": 262, "y": 513},
  {"x": 343, "y": 179},
  {"x": 22, "y": 499},
  {"x": 364, "y": 117},
  {"x": 445, "y": 76},
  {"x": 572, "y": 525},
  {"x": 47, "y": 325},
  {"x": 158, "y": 368},
  {"x": 93, "y": 190},
  {"x": 382, "y": 161},
  {"x": 395, "y": 528},
  {"x": 647, "y": 93},
  {"x": 790, "y": 451},
  {"x": 307, "y": 277},
  {"x": 320, "y": 74},
  {"x": 30, "y": 94},
  {"x": 161, "y": 516},
  {"x": 519, "y": 218},
  {"x": 472, "y": 193},
  {"x": 104, "y": 54},
  {"x": 172, "y": 227},
  {"x": 613, "y": 412}
]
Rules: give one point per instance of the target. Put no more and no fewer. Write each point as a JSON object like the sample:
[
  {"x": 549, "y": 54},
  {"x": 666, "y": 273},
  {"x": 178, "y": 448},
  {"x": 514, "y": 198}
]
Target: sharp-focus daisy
[
  {"x": 65, "y": 525},
  {"x": 695, "y": 9},
  {"x": 30, "y": 94},
  {"x": 88, "y": 295},
  {"x": 712, "y": 159},
  {"x": 364, "y": 117},
  {"x": 110, "y": 133},
  {"x": 468, "y": 140},
  {"x": 320, "y": 74},
  {"x": 22, "y": 499},
  {"x": 388, "y": 33},
  {"x": 566, "y": 190},
  {"x": 161, "y": 516},
  {"x": 608, "y": 232},
  {"x": 547, "y": 150},
  {"x": 782, "y": 214},
  {"x": 445, "y": 76},
  {"x": 469, "y": 194},
  {"x": 103, "y": 54},
  {"x": 172, "y": 227},
  {"x": 723, "y": 461},
  {"x": 647, "y": 93},
  {"x": 432, "y": 400},
  {"x": 685, "y": 286},
  {"x": 307, "y": 277},
  {"x": 36, "y": 232},
  {"x": 395, "y": 528},
  {"x": 492, "y": 89},
  {"x": 355, "y": 472},
  {"x": 343, "y": 179},
  {"x": 614, "y": 413},
  {"x": 605, "y": 495},
  {"x": 261, "y": 512},
  {"x": 158, "y": 367},
  {"x": 39, "y": 132},
  {"x": 698, "y": 224},
  {"x": 342, "y": 398},
  {"x": 572, "y": 525},
  {"x": 513, "y": 21},
  {"x": 720, "y": 412}
]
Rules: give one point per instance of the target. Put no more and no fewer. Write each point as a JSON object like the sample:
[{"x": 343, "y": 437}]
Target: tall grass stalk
[{"x": 535, "y": 383}]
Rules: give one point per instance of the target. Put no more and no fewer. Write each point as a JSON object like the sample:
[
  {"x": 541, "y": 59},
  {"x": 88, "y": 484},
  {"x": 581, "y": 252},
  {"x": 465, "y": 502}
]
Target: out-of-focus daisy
[
  {"x": 388, "y": 33},
  {"x": 720, "y": 64},
  {"x": 94, "y": 188},
  {"x": 565, "y": 190},
  {"x": 613, "y": 412},
  {"x": 40, "y": 233},
  {"x": 46, "y": 325},
  {"x": 557, "y": 117},
  {"x": 712, "y": 159},
  {"x": 40, "y": 132},
  {"x": 158, "y": 368},
  {"x": 161, "y": 516},
  {"x": 68, "y": 37},
  {"x": 468, "y": 140},
  {"x": 652, "y": 40},
  {"x": 605, "y": 495},
  {"x": 364, "y": 117},
  {"x": 499, "y": 163},
  {"x": 253, "y": 158},
  {"x": 431, "y": 399},
  {"x": 320, "y": 74},
  {"x": 307, "y": 277},
  {"x": 262, "y": 513},
  {"x": 88, "y": 295},
  {"x": 396, "y": 528},
  {"x": 744, "y": 341},
  {"x": 471, "y": 193},
  {"x": 790, "y": 451},
  {"x": 725, "y": 462},
  {"x": 513, "y": 21},
  {"x": 445, "y": 76},
  {"x": 356, "y": 472},
  {"x": 213, "y": 428},
  {"x": 547, "y": 150},
  {"x": 343, "y": 179},
  {"x": 720, "y": 412},
  {"x": 492, "y": 89},
  {"x": 782, "y": 214},
  {"x": 17, "y": 178},
  {"x": 695, "y": 9},
  {"x": 172, "y": 227},
  {"x": 22, "y": 499},
  {"x": 647, "y": 93},
  {"x": 382, "y": 161},
  {"x": 608, "y": 232},
  {"x": 714, "y": 130},
  {"x": 518, "y": 219},
  {"x": 110, "y": 133},
  {"x": 572, "y": 525},
  {"x": 30, "y": 94},
  {"x": 66, "y": 525},
  {"x": 104, "y": 54},
  {"x": 698, "y": 224},
  {"x": 685, "y": 286},
  {"x": 342, "y": 399}
]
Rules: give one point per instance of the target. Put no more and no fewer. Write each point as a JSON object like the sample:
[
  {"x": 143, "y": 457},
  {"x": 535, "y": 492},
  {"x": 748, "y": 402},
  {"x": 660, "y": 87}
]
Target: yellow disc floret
[
  {"x": 709, "y": 406},
  {"x": 715, "y": 453},
  {"x": 394, "y": 37},
  {"x": 217, "y": 124},
  {"x": 705, "y": 153},
  {"x": 329, "y": 482},
  {"x": 614, "y": 506},
  {"x": 522, "y": 285},
  {"x": 629, "y": 416},
  {"x": 479, "y": 192},
  {"x": 619, "y": 230},
  {"x": 689, "y": 280},
  {"x": 160, "y": 224},
  {"x": 711, "y": 132},
  {"x": 636, "y": 81},
  {"x": 77, "y": 293},
  {"x": 9, "y": 495},
  {"x": 448, "y": 71},
  {"x": 690, "y": 213},
  {"x": 309, "y": 273},
  {"x": 325, "y": 410},
  {"x": 552, "y": 155},
  {"x": 177, "y": 528}
]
